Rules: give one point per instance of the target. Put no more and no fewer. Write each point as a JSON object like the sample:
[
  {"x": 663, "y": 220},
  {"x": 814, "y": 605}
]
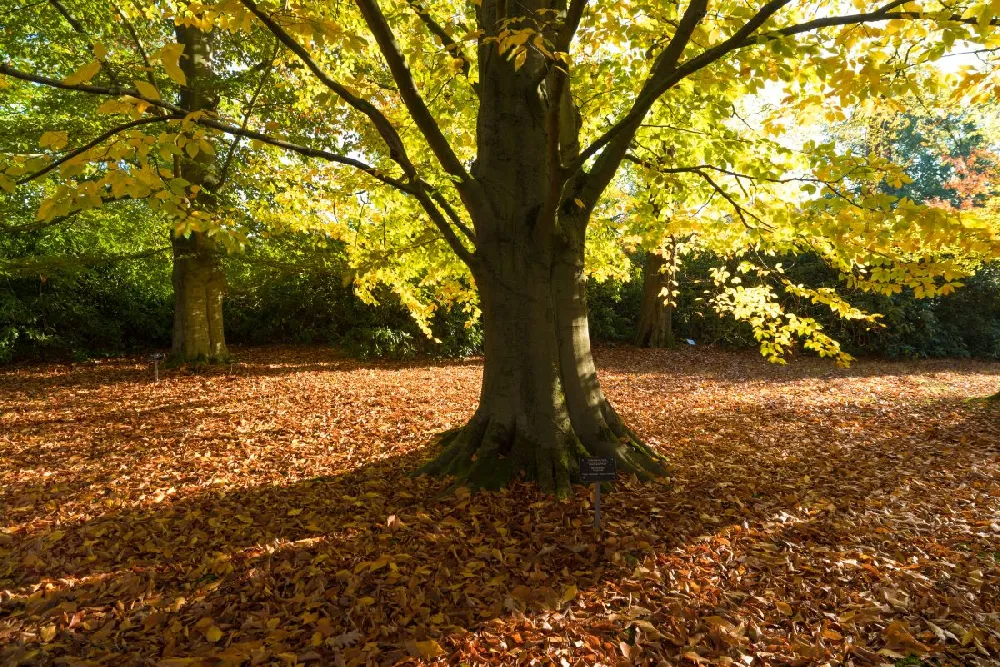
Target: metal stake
[{"x": 597, "y": 505}]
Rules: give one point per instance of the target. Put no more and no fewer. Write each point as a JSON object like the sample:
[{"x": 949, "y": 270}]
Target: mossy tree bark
[
  {"x": 198, "y": 277},
  {"x": 656, "y": 314},
  {"x": 541, "y": 405}
]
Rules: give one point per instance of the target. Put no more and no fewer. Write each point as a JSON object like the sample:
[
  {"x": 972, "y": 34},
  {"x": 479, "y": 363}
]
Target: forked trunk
[
  {"x": 199, "y": 285},
  {"x": 656, "y": 313},
  {"x": 541, "y": 406}
]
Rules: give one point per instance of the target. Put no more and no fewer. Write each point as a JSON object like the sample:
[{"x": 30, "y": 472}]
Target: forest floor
[{"x": 264, "y": 515}]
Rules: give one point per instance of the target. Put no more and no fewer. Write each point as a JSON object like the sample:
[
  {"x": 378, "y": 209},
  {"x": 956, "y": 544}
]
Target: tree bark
[
  {"x": 656, "y": 312},
  {"x": 199, "y": 284},
  {"x": 541, "y": 406},
  {"x": 198, "y": 277}
]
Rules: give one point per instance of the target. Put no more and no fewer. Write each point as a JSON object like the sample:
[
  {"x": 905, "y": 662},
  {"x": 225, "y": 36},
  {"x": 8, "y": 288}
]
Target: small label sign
[{"x": 597, "y": 469}]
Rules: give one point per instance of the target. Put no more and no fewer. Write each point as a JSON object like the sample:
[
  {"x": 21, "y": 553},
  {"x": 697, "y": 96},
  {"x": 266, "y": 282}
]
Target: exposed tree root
[{"x": 488, "y": 453}]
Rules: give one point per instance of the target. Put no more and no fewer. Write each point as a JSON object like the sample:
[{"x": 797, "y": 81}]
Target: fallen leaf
[
  {"x": 426, "y": 649},
  {"x": 898, "y": 638}
]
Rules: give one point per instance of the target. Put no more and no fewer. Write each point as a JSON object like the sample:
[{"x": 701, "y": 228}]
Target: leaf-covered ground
[{"x": 265, "y": 516}]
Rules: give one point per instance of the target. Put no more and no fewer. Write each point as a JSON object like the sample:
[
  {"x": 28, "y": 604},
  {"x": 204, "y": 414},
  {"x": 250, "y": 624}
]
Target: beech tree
[
  {"x": 505, "y": 126},
  {"x": 114, "y": 163}
]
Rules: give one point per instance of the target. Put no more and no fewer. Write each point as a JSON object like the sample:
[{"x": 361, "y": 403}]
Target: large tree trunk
[
  {"x": 198, "y": 277},
  {"x": 656, "y": 313},
  {"x": 541, "y": 406},
  {"x": 199, "y": 283}
]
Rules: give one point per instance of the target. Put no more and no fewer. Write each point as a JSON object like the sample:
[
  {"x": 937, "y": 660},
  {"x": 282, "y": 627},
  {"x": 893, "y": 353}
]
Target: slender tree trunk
[
  {"x": 656, "y": 313},
  {"x": 198, "y": 277}
]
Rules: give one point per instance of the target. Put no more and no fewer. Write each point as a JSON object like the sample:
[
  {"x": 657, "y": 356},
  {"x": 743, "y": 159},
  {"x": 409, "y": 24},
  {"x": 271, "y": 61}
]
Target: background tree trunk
[
  {"x": 656, "y": 314},
  {"x": 199, "y": 283},
  {"x": 198, "y": 277}
]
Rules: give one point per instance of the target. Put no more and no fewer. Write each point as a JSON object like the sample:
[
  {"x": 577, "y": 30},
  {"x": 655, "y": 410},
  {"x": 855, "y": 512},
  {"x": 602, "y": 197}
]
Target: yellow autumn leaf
[
  {"x": 170, "y": 56},
  {"x": 84, "y": 74},
  {"x": 380, "y": 562},
  {"x": 519, "y": 59},
  {"x": 213, "y": 634},
  {"x": 291, "y": 512},
  {"x": 114, "y": 106},
  {"x": 784, "y": 608},
  {"x": 48, "y": 633},
  {"x": 53, "y": 140},
  {"x": 429, "y": 649},
  {"x": 100, "y": 51},
  {"x": 147, "y": 90},
  {"x": 365, "y": 601},
  {"x": 569, "y": 594}
]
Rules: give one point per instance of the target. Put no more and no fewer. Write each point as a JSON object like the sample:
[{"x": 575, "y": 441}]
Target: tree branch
[
  {"x": 307, "y": 151},
  {"x": 742, "y": 38},
  {"x": 450, "y": 45},
  {"x": 23, "y": 7},
  {"x": 87, "y": 88},
  {"x": 879, "y": 15},
  {"x": 95, "y": 142},
  {"x": 138, "y": 45},
  {"x": 224, "y": 172},
  {"x": 421, "y": 115},
  {"x": 84, "y": 260},
  {"x": 38, "y": 226},
  {"x": 559, "y": 101},
  {"x": 179, "y": 113},
  {"x": 414, "y": 187},
  {"x": 426, "y": 201},
  {"x": 385, "y": 129},
  {"x": 78, "y": 27},
  {"x": 574, "y": 13},
  {"x": 620, "y": 135},
  {"x": 453, "y": 215}
]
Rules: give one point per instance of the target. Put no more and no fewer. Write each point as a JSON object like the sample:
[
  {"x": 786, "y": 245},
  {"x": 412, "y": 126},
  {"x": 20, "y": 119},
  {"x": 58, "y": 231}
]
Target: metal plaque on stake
[
  {"x": 597, "y": 469},
  {"x": 156, "y": 358}
]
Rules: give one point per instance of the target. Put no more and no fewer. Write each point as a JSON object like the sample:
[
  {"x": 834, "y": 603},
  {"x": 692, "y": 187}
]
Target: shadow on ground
[{"x": 236, "y": 527}]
